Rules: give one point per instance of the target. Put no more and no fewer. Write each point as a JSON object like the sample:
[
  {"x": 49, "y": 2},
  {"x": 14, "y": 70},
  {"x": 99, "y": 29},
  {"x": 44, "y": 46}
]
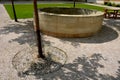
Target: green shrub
[
  {"x": 118, "y": 5},
  {"x": 109, "y": 4},
  {"x": 105, "y": 3},
  {"x": 113, "y": 4}
]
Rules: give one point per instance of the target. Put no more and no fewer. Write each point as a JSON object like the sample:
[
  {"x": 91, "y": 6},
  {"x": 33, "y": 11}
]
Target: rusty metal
[
  {"x": 14, "y": 13},
  {"x": 37, "y": 30}
]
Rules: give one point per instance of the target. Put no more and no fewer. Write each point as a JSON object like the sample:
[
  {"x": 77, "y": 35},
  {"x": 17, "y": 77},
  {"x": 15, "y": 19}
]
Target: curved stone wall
[{"x": 69, "y": 22}]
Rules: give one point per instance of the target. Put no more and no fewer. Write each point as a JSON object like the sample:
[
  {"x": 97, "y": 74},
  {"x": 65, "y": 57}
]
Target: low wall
[{"x": 65, "y": 25}]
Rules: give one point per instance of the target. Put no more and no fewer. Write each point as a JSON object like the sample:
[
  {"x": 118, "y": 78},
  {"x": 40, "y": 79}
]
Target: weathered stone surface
[{"x": 84, "y": 24}]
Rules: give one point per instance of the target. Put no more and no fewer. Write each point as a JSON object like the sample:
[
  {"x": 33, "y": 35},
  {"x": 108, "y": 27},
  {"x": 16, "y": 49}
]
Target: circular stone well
[{"x": 70, "y": 22}]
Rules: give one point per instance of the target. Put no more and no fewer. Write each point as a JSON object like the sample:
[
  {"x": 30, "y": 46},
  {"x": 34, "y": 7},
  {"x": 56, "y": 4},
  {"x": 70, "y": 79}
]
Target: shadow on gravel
[
  {"x": 24, "y": 30},
  {"x": 105, "y": 35},
  {"x": 113, "y": 22},
  {"x": 82, "y": 68}
]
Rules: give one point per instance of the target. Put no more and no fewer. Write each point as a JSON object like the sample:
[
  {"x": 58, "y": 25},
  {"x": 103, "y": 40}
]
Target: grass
[{"x": 26, "y": 10}]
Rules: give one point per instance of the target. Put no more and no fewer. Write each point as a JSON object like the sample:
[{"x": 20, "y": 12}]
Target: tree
[{"x": 37, "y": 30}]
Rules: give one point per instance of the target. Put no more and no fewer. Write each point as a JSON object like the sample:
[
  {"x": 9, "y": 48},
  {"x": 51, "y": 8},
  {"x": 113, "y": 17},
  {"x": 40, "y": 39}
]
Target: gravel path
[
  {"x": 3, "y": 14},
  {"x": 93, "y": 58}
]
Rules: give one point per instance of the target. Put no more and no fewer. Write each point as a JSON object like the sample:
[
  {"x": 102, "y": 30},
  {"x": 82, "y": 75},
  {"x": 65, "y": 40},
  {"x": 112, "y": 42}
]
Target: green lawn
[{"x": 26, "y": 10}]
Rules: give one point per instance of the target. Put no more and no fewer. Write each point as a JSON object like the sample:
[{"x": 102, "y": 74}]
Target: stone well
[{"x": 70, "y": 22}]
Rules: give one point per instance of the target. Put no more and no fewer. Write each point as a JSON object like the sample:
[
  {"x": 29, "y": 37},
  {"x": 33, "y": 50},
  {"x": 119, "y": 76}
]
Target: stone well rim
[{"x": 97, "y": 13}]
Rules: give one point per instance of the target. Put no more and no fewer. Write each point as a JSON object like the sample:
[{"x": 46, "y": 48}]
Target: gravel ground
[{"x": 92, "y": 58}]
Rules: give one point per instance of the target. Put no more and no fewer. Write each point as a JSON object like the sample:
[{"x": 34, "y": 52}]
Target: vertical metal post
[
  {"x": 15, "y": 17},
  {"x": 74, "y": 3},
  {"x": 37, "y": 30}
]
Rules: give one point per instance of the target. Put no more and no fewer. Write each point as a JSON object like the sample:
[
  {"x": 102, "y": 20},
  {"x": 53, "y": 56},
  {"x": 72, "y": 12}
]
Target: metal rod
[
  {"x": 14, "y": 13},
  {"x": 74, "y": 3},
  {"x": 37, "y": 30}
]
